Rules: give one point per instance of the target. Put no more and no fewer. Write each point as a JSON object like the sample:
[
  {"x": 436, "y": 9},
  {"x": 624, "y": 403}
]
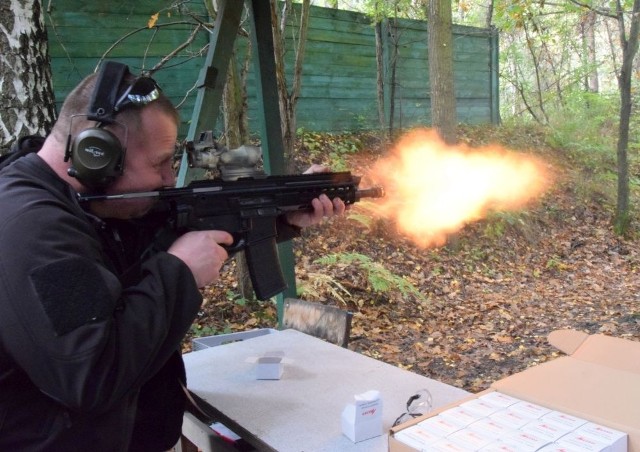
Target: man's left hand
[{"x": 323, "y": 207}]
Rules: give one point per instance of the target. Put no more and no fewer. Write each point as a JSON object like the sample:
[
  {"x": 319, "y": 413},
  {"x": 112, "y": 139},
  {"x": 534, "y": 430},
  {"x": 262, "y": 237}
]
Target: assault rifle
[{"x": 248, "y": 208}]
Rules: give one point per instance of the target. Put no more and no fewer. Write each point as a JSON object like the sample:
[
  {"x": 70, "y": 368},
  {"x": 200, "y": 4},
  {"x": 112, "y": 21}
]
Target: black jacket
[{"x": 85, "y": 353}]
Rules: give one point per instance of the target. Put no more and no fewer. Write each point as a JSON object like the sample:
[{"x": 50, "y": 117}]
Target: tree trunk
[
  {"x": 232, "y": 105},
  {"x": 281, "y": 77},
  {"x": 629, "y": 49},
  {"x": 235, "y": 101},
  {"x": 536, "y": 66},
  {"x": 488, "y": 19},
  {"x": 443, "y": 100},
  {"x": 27, "y": 106},
  {"x": 380, "y": 75},
  {"x": 289, "y": 100},
  {"x": 393, "y": 66},
  {"x": 588, "y": 26},
  {"x": 236, "y": 134}
]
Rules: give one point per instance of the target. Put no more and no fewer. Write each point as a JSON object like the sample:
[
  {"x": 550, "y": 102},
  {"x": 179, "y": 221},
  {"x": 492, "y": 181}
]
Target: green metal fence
[{"x": 339, "y": 74}]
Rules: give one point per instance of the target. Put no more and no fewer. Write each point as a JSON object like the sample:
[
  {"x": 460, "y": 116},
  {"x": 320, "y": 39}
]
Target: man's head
[{"x": 144, "y": 132}]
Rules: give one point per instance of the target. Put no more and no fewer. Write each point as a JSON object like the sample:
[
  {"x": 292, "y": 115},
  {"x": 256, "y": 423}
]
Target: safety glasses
[{"x": 142, "y": 91}]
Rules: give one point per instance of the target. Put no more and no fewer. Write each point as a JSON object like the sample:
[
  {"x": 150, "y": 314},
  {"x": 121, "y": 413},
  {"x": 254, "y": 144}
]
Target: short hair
[{"x": 78, "y": 103}]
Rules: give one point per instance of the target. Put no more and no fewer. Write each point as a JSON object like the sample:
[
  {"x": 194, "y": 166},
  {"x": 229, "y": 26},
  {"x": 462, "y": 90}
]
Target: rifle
[{"x": 248, "y": 208}]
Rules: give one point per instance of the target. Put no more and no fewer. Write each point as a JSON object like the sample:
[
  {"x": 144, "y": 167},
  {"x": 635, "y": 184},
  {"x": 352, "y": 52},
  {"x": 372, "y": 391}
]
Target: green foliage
[
  {"x": 498, "y": 223},
  {"x": 587, "y": 127},
  {"x": 380, "y": 10},
  {"x": 236, "y": 298},
  {"x": 336, "y": 147},
  {"x": 198, "y": 330},
  {"x": 555, "y": 263},
  {"x": 363, "y": 219},
  {"x": 379, "y": 278},
  {"x": 621, "y": 223}
]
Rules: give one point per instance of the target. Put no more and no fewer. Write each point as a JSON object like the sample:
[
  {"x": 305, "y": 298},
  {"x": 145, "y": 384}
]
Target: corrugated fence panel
[
  {"x": 472, "y": 73},
  {"x": 339, "y": 74},
  {"x": 81, "y": 33},
  {"x": 340, "y": 65}
]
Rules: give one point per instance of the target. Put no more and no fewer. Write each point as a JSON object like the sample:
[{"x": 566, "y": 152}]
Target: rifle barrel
[{"x": 373, "y": 192}]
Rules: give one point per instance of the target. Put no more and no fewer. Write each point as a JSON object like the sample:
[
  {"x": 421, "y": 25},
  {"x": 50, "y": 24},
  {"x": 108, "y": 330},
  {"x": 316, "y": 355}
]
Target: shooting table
[{"x": 302, "y": 410}]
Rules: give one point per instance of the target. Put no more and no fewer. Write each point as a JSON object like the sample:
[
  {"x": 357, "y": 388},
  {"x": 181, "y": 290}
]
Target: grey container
[{"x": 202, "y": 343}]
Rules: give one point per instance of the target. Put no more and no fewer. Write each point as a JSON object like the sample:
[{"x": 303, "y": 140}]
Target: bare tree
[
  {"x": 27, "y": 106},
  {"x": 488, "y": 20},
  {"x": 588, "y": 34},
  {"x": 629, "y": 43},
  {"x": 289, "y": 99}
]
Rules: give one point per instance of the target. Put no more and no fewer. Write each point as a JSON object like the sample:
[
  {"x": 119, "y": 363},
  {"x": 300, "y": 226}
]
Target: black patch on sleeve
[{"x": 73, "y": 293}]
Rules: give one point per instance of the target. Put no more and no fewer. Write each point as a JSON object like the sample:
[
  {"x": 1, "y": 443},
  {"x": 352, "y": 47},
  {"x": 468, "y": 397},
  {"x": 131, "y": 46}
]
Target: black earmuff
[
  {"x": 96, "y": 154},
  {"x": 97, "y": 157}
]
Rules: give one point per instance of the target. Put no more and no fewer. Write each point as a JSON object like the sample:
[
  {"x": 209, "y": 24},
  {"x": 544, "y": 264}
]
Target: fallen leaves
[{"x": 491, "y": 296}]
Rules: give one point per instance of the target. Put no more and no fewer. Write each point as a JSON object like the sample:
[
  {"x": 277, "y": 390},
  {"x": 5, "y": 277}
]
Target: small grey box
[{"x": 202, "y": 343}]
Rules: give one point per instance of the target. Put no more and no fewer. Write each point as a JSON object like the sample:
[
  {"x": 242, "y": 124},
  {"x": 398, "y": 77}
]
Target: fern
[
  {"x": 321, "y": 282},
  {"x": 364, "y": 220},
  {"x": 379, "y": 278}
]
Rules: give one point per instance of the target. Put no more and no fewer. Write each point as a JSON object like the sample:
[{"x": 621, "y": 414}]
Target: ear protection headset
[{"x": 96, "y": 154}]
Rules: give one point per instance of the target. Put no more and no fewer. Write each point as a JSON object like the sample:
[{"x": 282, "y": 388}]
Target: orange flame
[{"x": 433, "y": 189}]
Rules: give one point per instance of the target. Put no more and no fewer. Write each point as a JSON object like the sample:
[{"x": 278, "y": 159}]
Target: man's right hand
[{"x": 202, "y": 253}]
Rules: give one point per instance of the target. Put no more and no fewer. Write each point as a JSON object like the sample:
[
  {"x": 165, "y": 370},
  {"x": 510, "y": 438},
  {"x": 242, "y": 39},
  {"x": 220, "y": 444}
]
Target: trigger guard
[{"x": 237, "y": 245}]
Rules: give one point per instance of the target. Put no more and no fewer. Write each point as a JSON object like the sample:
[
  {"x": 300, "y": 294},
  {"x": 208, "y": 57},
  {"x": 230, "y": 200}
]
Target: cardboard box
[{"x": 598, "y": 380}]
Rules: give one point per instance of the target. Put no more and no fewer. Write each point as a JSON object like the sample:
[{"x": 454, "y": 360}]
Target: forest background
[{"x": 480, "y": 306}]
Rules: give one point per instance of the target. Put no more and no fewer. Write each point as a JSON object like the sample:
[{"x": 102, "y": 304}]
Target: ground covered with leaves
[{"x": 476, "y": 309}]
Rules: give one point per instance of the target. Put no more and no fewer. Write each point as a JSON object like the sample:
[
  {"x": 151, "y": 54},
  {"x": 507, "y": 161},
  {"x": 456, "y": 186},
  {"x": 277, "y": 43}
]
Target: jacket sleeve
[{"x": 82, "y": 338}]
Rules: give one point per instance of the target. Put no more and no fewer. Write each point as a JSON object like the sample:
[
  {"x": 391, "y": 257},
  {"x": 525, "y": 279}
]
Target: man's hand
[
  {"x": 323, "y": 207},
  {"x": 202, "y": 253}
]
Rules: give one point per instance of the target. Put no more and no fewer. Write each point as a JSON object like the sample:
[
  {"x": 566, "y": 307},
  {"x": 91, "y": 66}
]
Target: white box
[
  {"x": 510, "y": 417},
  {"x": 362, "y": 419},
  {"x": 480, "y": 407},
  {"x": 596, "y": 436},
  {"x": 461, "y": 415},
  {"x": 417, "y": 437},
  {"x": 584, "y": 443},
  {"x": 530, "y": 410},
  {"x": 439, "y": 425},
  {"x": 499, "y": 399},
  {"x": 446, "y": 445},
  {"x": 607, "y": 434},
  {"x": 470, "y": 439},
  {"x": 499, "y": 446},
  {"x": 547, "y": 429},
  {"x": 491, "y": 427},
  {"x": 555, "y": 447},
  {"x": 525, "y": 441},
  {"x": 269, "y": 368},
  {"x": 571, "y": 422}
]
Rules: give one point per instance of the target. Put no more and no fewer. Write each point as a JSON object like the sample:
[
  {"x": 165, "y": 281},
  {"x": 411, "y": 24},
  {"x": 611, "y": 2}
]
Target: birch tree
[{"x": 27, "y": 106}]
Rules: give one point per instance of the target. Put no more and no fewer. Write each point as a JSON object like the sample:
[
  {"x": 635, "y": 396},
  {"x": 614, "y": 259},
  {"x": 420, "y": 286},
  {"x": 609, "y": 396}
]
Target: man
[{"x": 90, "y": 330}]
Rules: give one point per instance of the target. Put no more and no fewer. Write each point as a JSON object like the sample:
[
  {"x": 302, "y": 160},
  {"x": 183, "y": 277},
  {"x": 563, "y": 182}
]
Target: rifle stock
[{"x": 248, "y": 208}]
